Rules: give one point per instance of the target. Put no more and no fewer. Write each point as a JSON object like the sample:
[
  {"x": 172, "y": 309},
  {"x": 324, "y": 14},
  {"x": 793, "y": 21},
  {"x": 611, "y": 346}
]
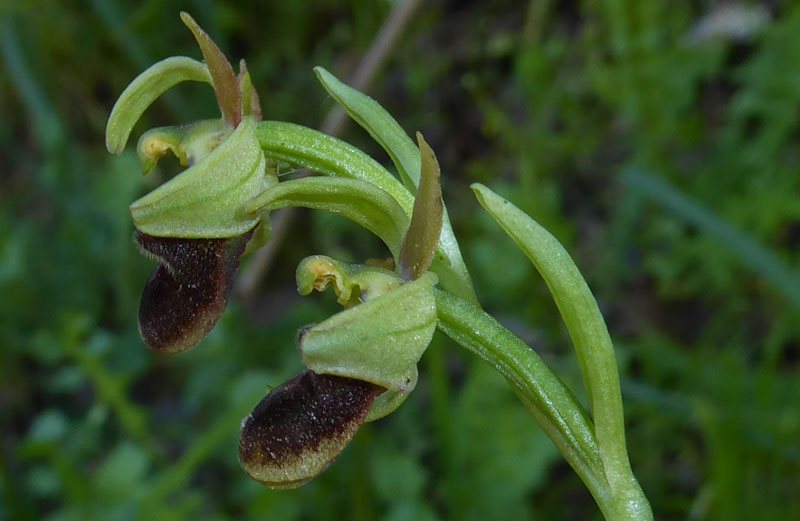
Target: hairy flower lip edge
[
  {"x": 298, "y": 429},
  {"x": 188, "y": 290}
]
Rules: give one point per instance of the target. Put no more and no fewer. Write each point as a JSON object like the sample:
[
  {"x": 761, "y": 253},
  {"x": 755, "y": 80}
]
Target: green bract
[
  {"x": 368, "y": 113},
  {"x": 360, "y": 201}
]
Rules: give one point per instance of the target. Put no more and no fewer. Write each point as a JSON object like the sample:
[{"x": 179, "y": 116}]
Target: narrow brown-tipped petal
[
  {"x": 223, "y": 78},
  {"x": 188, "y": 291},
  {"x": 302, "y": 426},
  {"x": 422, "y": 237},
  {"x": 251, "y": 103}
]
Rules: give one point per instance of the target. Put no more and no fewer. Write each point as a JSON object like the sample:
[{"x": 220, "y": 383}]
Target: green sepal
[
  {"x": 144, "y": 90},
  {"x": 385, "y": 404},
  {"x": 353, "y": 284},
  {"x": 190, "y": 143},
  {"x": 379, "y": 341},
  {"x": 380, "y": 337},
  {"x": 405, "y": 155},
  {"x": 383, "y": 128},
  {"x": 261, "y": 235},
  {"x": 359, "y": 201},
  {"x": 206, "y": 200},
  {"x": 251, "y": 103}
]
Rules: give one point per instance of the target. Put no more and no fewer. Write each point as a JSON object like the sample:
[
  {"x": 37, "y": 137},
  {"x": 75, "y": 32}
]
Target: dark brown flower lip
[
  {"x": 301, "y": 427},
  {"x": 188, "y": 291}
]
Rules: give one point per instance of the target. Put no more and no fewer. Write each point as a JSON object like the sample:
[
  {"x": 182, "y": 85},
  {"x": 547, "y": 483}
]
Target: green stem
[
  {"x": 592, "y": 342},
  {"x": 549, "y": 401}
]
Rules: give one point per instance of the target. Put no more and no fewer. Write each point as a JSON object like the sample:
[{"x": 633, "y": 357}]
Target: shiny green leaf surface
[{"x": 590, "y": 337}]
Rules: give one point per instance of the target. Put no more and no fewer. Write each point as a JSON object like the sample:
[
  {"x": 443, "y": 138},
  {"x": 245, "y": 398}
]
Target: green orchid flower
[
  {"x": 362, "y": 362},
  {"x": 194, "y": 225}
]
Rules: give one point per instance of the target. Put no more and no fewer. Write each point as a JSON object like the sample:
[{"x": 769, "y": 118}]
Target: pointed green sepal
[
  {"x": 207, "y": 199},
  {"x": 251, "y": 103},
  {"x": 379, "y": 341},
  {"x": 383, "y": 128},
  {"x": 144, "y": 90}
]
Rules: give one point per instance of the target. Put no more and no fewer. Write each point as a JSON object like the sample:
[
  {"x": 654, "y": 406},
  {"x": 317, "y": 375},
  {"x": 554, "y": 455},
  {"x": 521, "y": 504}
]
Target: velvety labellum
[
  {"x": 301, "y": 427},
  {"x": 188, "y": 291}
]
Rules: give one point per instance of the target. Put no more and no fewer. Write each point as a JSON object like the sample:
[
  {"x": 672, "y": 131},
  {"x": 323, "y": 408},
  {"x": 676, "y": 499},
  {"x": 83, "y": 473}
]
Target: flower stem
[{"x": 549, "y": 401}]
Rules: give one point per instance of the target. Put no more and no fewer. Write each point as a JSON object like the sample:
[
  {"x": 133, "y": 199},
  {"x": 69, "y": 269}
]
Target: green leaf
[
  {"x": 358, "y": 200},
  {"x": 144, "y": 90},
  {"x": 590, "y": 337},
  {"x": 422, "y": 238},
  {"x": 321, "y": 153},
  {"x": 205, "y": 201},
  {"x": 385, "y": 130},
  {"x": 226, "y": 87}
]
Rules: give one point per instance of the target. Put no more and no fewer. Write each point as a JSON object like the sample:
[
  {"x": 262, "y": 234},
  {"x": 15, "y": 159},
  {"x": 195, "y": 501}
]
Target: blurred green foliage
[{"x": 665, "y": 159}]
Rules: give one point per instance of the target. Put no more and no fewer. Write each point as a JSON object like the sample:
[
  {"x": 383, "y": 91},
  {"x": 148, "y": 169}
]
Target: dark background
[{"x": 659, "y": 141}]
